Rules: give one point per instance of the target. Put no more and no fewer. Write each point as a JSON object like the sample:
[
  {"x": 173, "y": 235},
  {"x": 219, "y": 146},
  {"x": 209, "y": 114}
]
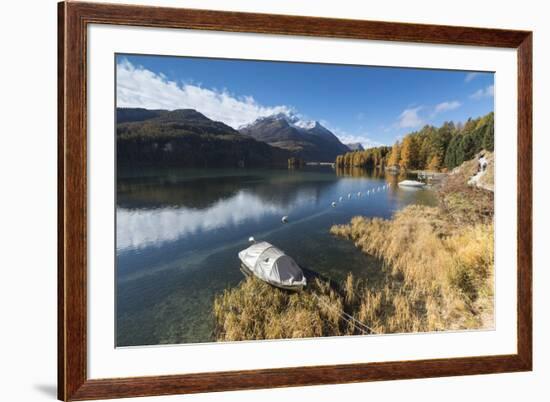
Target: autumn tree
[
  {"x": 429, "y": 148},
  {"x": 394, "y": 157},
  {"x": 434, "y": 164},
  {"x": 409, "y": 153},
  {"x": 425, "y": 151}
]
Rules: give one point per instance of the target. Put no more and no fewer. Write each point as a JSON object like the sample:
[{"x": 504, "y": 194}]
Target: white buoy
[
  {"x": 333, "y": 204},
  {"x": 251, "y": 239},
  {"x": 359, "y": 194},
  {"x": 340, "y": 199},
  {"x": 284, "y": 219},
  {"x": 368, "y": 192},
  {"x": 349, "y": 195}
]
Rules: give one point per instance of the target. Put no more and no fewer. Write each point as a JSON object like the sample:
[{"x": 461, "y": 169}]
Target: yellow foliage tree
[
  {"x": 393, "y": 160},
  {"x": 409, "y": 153},
  {"x": 434, "y": 164}
]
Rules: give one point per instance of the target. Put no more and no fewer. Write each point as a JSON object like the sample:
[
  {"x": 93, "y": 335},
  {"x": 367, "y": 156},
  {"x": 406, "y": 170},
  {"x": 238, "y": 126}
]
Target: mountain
[
  {"x": 308, "y": 140},
  {"x": 187, "y": 138},
  {"x": 125, "y": 115},
  {"x": 355, "y": 146}
]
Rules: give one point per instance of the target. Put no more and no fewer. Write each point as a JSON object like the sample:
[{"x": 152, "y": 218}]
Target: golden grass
[
  {"x": 256, "y": 310},
  {"x": 434, "y": 280},
  {"x": 438, "y": 275}
]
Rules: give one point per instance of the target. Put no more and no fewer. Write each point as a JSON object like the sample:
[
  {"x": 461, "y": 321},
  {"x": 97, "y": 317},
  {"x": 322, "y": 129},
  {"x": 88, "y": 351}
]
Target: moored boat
[
  {"x": 272, "y": 265},
  {"x": 411, "y": 183}
]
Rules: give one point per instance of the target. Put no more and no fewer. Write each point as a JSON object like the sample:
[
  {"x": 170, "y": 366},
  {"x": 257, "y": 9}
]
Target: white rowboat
[
  {"x": 411, "y": 183},
  {"x": 272, "y": 265}
]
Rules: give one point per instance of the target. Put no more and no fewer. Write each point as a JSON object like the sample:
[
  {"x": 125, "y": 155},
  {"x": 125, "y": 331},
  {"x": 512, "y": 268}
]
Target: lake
[{"x": 178, "y": 233}]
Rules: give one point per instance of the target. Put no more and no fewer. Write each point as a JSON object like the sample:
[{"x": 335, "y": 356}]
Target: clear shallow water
[{"x": 179, "y": 232}]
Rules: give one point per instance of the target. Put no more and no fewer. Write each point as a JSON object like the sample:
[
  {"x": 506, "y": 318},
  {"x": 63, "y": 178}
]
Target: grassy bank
[
  {"x": 439, "y": 261},
  {"x": 437, "y": 275},
  {"x": 256, "y": 310}
]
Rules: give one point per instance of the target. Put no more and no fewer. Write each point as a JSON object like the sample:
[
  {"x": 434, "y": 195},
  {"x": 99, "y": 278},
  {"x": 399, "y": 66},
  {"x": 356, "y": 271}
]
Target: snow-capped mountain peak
[
  {"x": 307, "y": 139},
  {"x": 305, "y": 124},
  {"x": 291, "y": 119}
]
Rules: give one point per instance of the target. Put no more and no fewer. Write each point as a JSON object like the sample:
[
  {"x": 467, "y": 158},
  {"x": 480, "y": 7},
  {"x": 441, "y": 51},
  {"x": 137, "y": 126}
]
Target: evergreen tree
[
  {"x": 451, "y": 156},
  {"x": 489, "y": 139},
  {"x": 468, "y": 147}
]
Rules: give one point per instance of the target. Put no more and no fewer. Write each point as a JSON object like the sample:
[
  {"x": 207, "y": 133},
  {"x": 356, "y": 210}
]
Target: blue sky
[{"x": 372, "y": 105}]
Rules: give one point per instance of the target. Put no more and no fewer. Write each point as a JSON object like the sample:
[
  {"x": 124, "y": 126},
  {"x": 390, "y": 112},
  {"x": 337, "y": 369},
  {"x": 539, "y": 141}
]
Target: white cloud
[
  {"x": 471, "y": 76},
  {"x": 486, "y": 92},
  {"x": 347, "y": 138},
  {"x": 139, "y": 87},
  {"x": 409, "y": 118},
  {"x": 352, "y": 139},
  {"x": 446, "y": 106},
  {"x": 138, "y": 228}
]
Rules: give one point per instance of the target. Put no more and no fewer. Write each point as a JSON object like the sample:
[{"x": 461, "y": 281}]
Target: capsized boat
[
  {"x": 411, "y": 183},
  {"x": 272, "y": 265}
]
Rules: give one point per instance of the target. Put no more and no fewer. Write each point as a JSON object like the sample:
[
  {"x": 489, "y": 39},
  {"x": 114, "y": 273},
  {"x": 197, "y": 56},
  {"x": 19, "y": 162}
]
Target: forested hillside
[
  {"x": 430, "y": 148},
  {"x": 186, "y": 138},
  {"x": 369, "y": 158}
]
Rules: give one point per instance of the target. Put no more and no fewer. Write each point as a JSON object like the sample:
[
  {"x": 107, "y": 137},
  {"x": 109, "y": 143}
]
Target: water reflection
[
  {"x": 138, "y": 228},
  {"x": 179, "y": 232},
  {"x": 392, "y": 177},
  {"x": 201, "y": 188}
]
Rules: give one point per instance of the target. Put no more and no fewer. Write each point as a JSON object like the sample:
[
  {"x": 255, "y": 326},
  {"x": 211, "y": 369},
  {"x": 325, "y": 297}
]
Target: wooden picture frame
[{"x": 73, "y": 381}]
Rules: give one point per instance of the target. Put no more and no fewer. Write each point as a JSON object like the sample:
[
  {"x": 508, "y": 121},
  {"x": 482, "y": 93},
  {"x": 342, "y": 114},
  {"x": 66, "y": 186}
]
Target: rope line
[{"x": 365, "y": 329}]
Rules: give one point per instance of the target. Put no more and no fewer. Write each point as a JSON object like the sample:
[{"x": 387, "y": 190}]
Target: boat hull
[
  {"x": 412, "y": 184},
  {"x": 246, "y": 271}
]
